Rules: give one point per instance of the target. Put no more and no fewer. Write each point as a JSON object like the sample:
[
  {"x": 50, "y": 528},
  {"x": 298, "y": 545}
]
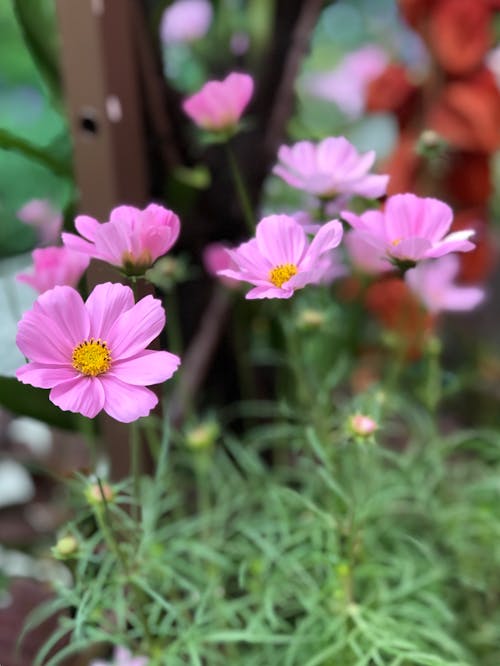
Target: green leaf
[
  {"x": 37, "y": 23},
  {"x": 60, "y": 166}
]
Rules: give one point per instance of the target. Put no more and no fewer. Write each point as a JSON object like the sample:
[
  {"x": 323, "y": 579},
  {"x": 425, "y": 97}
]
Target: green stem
[
  {"x": 174, "y": 324},
  {"x": 246, "y": 206},
  {"x": 135, "y": 466}
]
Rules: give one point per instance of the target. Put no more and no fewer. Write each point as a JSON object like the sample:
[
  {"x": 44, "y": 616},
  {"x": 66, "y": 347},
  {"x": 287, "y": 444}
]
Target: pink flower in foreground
[
  {"x": 215, "y": 259},
  {"x": 347, "y": 84},
  {"x": 185, "y": 21},
  {"x": 55, "y": 266},
  {"x": 133, "y": 239},
  {"x": 330, "y": 168},
  {"x": 122, "y": 657},
  {"x": 433, "y": 284},
  {"x": 41, "y": 215},
  {"x": 93, "y": 355},
  {"x": 219, "y": 105},
  {"x": 410, "y": 229},
  {"x": 280, "y": 258}
]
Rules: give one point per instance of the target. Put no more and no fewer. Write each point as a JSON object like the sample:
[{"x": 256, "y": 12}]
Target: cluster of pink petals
[
  {"x": 433, "y": 282},
  {"x": 60, "y": 322},
  {"x": 122, "y": 657},
  {"x": 333, "y": 167},
  {"x": 219, "y": 105},
  {"x": 410, "y": 229},
  {"x": 133, "y": 239},
  {"x": 347, "y": 84},
  {"x": 282, "y": 250},
  {"x": 185, "y": 21},
  {"x": 40, "y": 214},
  {"x": 55, "y": 266}
]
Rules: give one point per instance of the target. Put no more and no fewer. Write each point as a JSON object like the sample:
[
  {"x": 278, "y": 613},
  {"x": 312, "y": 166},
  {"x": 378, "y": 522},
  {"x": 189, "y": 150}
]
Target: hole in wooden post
[{"x": 88, "y": 121}]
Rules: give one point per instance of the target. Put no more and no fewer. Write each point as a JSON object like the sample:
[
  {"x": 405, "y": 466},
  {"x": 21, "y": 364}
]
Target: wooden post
[{"x": 101, "y": 78}]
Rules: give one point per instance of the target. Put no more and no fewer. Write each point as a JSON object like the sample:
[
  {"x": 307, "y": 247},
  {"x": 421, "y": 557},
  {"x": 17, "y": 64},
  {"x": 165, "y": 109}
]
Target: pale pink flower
[
  {"x": 410, "y": 229},
  {"x": 433, "y": 282},
  {"x": 331, "y": 168},
  {"x": 40, "y": 214},
  {"x": 216, "y": 258},
  {"x": 363, "y": 257},
  {"x": 219, "y": 105},
  {"x": 362, "y": 425},
  {"x": 185, "y": 21},
  {"x": 280, "y": 259},
  {"x": 55, "y": 266},
  {"x": 347, "y": 84},
  {"x": 122, "y": 657},
  {"x": 93, "y": 355},
  {"x": 133, "y": 239}
]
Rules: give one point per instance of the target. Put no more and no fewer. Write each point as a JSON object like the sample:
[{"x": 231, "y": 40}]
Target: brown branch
[
  {"x": 196, "y": 360},
  {"x": 284, "y": 98}
]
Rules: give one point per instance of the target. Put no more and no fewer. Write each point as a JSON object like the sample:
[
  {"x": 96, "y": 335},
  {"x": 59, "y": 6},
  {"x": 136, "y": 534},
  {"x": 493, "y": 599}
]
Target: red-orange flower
[
  {"x": 460, "y": 34},
  {"x": 392, "y": 91},
  {"x": 467, "y": 113},
  {"x": 477, "y": 265}
]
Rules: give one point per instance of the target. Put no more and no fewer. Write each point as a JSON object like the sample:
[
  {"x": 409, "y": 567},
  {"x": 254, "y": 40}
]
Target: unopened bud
[
  {"x": 97, "y": 493},
  {"x": 203, "y": 436},
  {"x": 310, "y": 318},
  {"x": 362, "y": 425},
  {"x": 65, "y": 547}
]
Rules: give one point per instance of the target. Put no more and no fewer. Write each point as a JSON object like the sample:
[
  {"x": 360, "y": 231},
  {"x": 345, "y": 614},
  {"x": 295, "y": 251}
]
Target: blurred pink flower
[
  {"x": 330, "y": 168},
  {"x": 93, "y": 355},
  {"x": 133, "y": 239},
  {"x": 433, "y": 284},
  {"x": 122, "y": 657},
  {"x": 55, "y": 266},
  {"x": 347, "y": 84},
  {"x": 185, "y": 21},
  {"x": 215, "y": 259},
  {"x": 280, "y": 259},
  {"x": 40, "y": 214},
  {"x": 363, "y": 257},
  {"x": 218, "y": 106},
  {"x": 410, "y": 229}
]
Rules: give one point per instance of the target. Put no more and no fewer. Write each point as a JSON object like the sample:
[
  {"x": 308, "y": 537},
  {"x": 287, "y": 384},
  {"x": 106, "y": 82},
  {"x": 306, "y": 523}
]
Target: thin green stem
[
  {"x": 241, "y": 189},
  {"x": 135, "y": 466}
]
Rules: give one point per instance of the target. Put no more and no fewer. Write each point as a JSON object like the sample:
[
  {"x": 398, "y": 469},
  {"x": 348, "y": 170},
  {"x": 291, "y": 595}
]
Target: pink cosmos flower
[
  {"x": 93, "y": 355},
  {"x": 55, "y": 266},
  {"x": 215, "y": 259},
  {"x": 363, "y": 256},
  {"x": 133, "y": 239},
  {"x": 433, "y": 284},
  {"x": 122, "y": 657},
  {"x": 280, "y": 259},
  {"x": 219, "y": 105},
  {"x": 347, "y": 84},
  {"x": 410, "y": 229},
  {"x": 330, "y": 168},
  {"x": 185, "y": 21},
  {"x": 40, "y": 214}
]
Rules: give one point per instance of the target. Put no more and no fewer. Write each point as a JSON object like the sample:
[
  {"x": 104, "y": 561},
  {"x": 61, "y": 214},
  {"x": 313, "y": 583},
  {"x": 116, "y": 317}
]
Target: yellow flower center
[
  {"x": 396, "y": 242},
  {"x": 282, "y": 273},
  {"x": 91, "y": 357}
]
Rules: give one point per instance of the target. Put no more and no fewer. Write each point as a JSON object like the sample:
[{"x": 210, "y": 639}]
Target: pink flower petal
[
  {"x": 39, "y": 339},
  {"x": 281, "y": 240},
  {"x": 269, "y": 292},
  {"x": 127, "y": 403},
  {"x": 87, "y": 226},
  {"x": 327, "y": 238},
  {"x": 77, "y": 244},
  {"x": 82, "y": 395},
  {"x": 44, "y": 376},
  {"x": 65, "y": 308},
  {"x": 105, "y": 304},
  {"x": 412, "y": 249},
  {"x": 147, "y": 367},
  {"x": 136, "y": 328}
]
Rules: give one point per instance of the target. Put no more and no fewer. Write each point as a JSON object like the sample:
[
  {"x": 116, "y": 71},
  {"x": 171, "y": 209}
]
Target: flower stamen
[
  {"x": 91, "y": 357},
  {"x": 282, "y": 273}
]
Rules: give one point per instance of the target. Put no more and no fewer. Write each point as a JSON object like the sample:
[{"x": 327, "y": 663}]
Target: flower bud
[
  {"x": 203, "y": 436},
  {"x": 362, "y": 425}
]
